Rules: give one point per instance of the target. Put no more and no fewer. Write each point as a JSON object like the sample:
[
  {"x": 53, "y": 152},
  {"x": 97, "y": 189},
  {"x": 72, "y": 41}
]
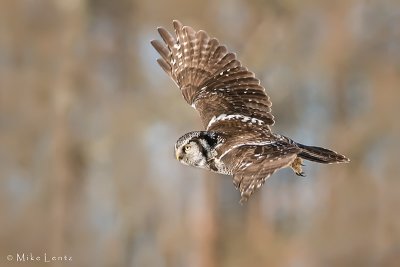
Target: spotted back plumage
[{"x": 257, "y": 163}]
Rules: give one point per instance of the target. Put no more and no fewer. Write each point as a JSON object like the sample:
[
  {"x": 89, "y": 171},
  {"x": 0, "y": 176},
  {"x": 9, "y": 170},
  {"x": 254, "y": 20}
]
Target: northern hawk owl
[{"x": 235, "y": 111}]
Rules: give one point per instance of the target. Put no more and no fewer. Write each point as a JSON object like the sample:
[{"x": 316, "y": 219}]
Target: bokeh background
[{"x": 88, "y": 122}]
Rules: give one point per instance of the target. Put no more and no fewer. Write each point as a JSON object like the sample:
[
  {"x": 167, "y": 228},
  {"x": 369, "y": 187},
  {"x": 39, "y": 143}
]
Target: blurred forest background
[{"x": 88, "y": 122}]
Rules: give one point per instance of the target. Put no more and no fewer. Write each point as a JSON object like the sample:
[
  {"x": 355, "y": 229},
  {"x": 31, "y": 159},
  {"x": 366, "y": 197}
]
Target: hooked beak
[{"x": 176, "y": 155}]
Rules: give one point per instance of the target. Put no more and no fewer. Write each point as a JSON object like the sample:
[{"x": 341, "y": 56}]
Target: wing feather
[
  {"x": 164, "y": 65},
  {"x": 253, "y": 164},
  {"x": 211, "y": 79},
  {"x": 167, "y": 37}
]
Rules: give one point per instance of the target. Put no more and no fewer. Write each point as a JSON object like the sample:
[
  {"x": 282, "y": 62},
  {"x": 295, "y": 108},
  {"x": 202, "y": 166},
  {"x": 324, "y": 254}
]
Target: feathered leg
[{"x": 296, "y": 167}]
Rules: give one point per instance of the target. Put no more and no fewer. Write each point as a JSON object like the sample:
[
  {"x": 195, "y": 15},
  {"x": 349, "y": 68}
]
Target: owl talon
[{"x": 302, "y": 174}]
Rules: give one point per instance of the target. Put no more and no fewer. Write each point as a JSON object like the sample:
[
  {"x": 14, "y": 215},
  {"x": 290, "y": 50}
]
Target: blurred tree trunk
[
  {"x": 65, "y": 169},
  {"x": 205, "y": 225},
  {"x": 208, "y": 242}
]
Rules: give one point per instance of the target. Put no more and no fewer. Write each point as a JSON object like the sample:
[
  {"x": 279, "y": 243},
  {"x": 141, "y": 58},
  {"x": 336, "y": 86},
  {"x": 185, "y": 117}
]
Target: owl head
[{"x": 195, "y": 148}]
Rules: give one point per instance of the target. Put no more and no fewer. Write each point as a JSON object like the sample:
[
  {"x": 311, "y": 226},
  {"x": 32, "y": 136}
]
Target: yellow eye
[{"x": 186, "y": 147}]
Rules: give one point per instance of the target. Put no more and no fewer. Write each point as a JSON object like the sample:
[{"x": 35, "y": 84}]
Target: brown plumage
[{"x": 235, "y": 111}]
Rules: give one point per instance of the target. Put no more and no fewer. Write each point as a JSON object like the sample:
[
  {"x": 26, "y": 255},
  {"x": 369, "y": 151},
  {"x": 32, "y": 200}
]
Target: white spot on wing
[
  {"x": 263, "y": 143},
  {"x": 224, "y": 117}
]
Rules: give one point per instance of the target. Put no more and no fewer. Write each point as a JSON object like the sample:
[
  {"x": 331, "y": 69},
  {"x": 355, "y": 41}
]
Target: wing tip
[
  {"x": 153, "y": 43},
  {"x": 164, "y": 65},
  {"x": 161, "y": 49},
  {"x": 177, "y": 24},
  {"x": 161, "y": 30}
]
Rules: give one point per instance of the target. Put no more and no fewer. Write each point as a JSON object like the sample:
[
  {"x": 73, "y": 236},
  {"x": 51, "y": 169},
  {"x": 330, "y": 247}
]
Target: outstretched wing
[
  {"x": 253, "y": 164},
  {"x": 211, "y": 79}
]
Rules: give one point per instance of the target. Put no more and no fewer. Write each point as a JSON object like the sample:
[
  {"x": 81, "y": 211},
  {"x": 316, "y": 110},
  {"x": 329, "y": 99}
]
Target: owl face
[
  {"x": 194, "y": 149},
  {"x": 191, "y": 154}
]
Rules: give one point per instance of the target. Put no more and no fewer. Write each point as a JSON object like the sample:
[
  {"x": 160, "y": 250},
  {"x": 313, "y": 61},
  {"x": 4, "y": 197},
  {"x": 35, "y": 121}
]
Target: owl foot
[
  {"x": 243, "y": 200},
  {"x": 296, "y": 167}
]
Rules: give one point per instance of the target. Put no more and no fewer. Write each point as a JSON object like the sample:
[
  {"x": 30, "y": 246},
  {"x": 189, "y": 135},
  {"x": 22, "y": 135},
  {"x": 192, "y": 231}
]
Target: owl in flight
[{"x": 235, "y": 111}]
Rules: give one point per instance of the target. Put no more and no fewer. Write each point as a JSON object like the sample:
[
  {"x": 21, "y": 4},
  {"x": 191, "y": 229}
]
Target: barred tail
[{"x": 321, "y": 155}]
